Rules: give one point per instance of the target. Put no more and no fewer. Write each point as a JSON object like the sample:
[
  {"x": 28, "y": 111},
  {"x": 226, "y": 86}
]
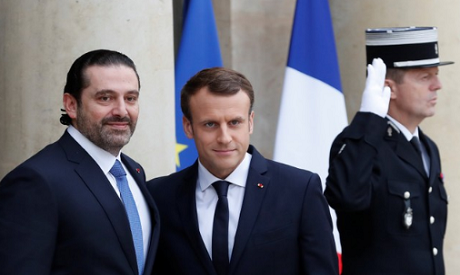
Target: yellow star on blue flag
[{"x": 179, "y": 148}]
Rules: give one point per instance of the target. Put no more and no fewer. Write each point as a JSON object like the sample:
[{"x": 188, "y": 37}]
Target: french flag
[{"x": 312, "y": 111}]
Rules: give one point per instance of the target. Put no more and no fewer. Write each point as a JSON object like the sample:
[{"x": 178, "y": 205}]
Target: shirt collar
[
  {"x": 237, "y": 177},
  {"x": 403, "y": 129},
  {"x": 104, "y": 159}
]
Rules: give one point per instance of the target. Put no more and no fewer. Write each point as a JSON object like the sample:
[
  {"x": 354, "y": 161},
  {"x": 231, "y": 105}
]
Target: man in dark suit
[
  {"x": 270, "y": 219},
  {"x": 66, "y": 210},
  {"x": 389, "y": 194}
]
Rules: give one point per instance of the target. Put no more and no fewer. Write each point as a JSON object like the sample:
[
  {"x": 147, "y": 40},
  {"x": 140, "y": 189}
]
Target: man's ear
[
  {"x": 251, "y": 122},
  {"x": 70, "y": 105},
  {"x": 393, "y": 87},
  {"x": 188, "y": 128}
]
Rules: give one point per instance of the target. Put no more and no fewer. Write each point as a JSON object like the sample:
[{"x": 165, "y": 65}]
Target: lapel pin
[
  {"x": 260, "y": 185},
  {"x": 441, "y": 176},
  {"x": 138, "y": 170},
  {"x": 390, "y": 131}
]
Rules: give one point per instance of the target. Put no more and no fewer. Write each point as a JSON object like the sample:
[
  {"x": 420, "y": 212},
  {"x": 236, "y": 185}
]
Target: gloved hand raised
[{"x": 376, "y": 96}]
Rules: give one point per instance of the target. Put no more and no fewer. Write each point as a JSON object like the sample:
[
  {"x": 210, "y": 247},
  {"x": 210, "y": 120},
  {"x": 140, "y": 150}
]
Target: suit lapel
[
  {"x": 432, "y": 153},
  {"x": 405, "y": 150},
  {"x": 257, "y": 185},
  {"x": 186, "y": 204},
  {"x": 97, "y": 183}
]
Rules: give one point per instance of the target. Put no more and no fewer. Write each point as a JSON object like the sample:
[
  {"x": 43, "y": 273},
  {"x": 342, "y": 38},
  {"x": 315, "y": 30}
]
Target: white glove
[{"x": 376, "y": 96}]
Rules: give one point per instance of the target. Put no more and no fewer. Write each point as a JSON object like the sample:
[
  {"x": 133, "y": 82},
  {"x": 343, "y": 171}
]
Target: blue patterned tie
[
  {"x": 220, "y": 257},
  {"x": 131, "y": 210}
]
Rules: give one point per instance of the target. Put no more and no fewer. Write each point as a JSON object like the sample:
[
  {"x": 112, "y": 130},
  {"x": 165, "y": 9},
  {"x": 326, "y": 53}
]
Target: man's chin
[{"x": 118, "y": 139}]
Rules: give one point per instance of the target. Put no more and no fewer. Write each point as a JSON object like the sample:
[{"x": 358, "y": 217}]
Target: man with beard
[{"x": 80, "y": 206}]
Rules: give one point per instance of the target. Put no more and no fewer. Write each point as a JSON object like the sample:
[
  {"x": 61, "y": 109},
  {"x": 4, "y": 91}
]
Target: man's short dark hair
[
  {"x": 219, "y": 81},
  {"x": 77, "y": 80}
]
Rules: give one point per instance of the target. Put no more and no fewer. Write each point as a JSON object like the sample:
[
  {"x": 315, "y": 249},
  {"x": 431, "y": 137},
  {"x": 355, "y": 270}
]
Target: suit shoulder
[
  {"x": 289, "y": 172},
  {"x": 41, "y": 171},
  {"x": 169, "y": 181},
  {"x": 50, "y": 155},
  {"x": 297, "y": 184}
]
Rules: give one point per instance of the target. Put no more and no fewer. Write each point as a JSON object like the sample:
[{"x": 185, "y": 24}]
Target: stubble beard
[{"x": 99, "y": 133}]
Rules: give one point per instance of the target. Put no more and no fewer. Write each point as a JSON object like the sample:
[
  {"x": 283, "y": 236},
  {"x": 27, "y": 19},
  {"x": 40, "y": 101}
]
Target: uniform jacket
[
  {"x": 60, "y": 215},
  {"x": 375, "y": 174},
  {"x": 284, "y": 226}
]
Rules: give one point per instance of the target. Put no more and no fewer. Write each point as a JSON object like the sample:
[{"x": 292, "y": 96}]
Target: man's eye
[
  {"x": 131, "y": 99},
  {"x": 104, "y": 98},
  {"x": 426, "y": 76},
  {"x": 209, "y": 124},
  {"x": 234, "y": 122}
]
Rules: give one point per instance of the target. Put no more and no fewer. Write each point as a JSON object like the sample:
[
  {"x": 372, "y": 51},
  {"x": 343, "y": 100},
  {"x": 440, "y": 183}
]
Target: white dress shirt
[
  {"x": 206, "y": 201},
  {"x": 409, "y": 136},
  {"x": 105, "y": 160}
]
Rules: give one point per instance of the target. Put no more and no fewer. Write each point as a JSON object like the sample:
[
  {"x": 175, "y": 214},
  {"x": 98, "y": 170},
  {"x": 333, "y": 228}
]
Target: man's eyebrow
[
  {"x": 105, "y": 91},
  {"x": 108, "y": 91}
]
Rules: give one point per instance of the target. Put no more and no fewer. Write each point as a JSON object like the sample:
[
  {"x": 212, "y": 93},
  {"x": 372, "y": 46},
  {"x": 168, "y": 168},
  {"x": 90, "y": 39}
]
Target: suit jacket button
[
  {"x": 430, "y": 190},
  {"x": 431, "y": 220},
  {"x": 435, "y": 251},
  {"x": 406, "y": 195}
]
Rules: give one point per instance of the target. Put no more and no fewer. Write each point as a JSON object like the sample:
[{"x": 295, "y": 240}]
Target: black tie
[
  {"x": 416, "y": 143},
  {"x": 220, "y": 257}
]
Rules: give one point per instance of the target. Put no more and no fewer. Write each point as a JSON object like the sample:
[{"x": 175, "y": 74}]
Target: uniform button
[
  {"x": 431, "y": 219},
  {"x": 406, "y": 195},
  {"x": 430, "y": 189},
  {"x": 435, "y": 251}
]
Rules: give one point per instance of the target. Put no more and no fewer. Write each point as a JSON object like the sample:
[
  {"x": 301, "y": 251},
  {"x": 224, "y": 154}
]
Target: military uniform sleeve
[{"x": 352, "y": 165}]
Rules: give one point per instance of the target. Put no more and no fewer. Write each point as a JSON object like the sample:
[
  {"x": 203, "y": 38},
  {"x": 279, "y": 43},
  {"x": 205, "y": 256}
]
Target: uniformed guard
[{"x": 385, "y": 180}]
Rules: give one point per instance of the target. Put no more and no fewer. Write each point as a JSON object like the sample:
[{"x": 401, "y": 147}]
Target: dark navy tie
[
  {"x": 220, "y": 257},
  {"x": 416, "y": 143},
  {"x": 418, "y": 147},
  {"x": 131, "y": 210}
]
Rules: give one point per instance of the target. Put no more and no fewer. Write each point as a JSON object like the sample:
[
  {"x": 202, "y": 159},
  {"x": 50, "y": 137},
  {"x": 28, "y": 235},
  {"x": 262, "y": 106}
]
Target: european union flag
[{"x": 199, "y": 49}]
